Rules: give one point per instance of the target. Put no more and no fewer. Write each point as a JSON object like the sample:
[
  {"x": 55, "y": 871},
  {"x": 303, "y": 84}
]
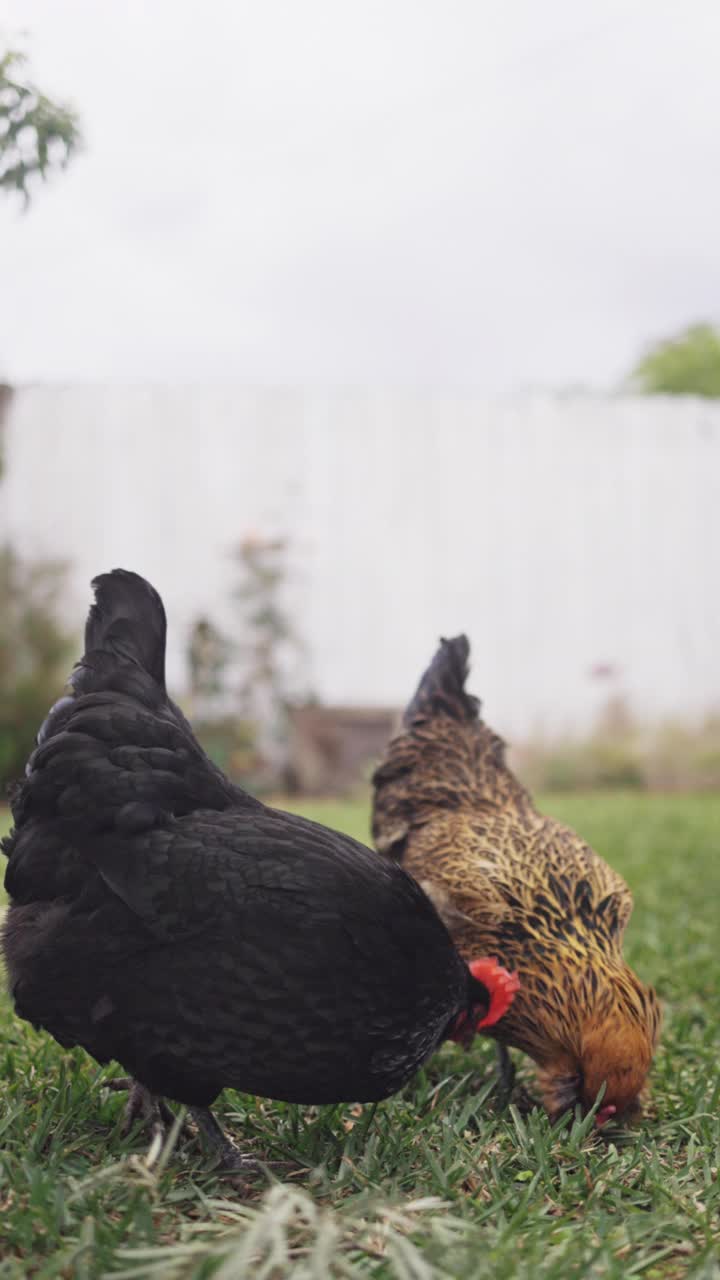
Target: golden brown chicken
[{"x": 515, "y": 884}]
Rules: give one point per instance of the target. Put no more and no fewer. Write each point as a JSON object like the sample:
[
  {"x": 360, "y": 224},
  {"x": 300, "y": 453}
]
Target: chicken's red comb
[{"x": 502, "y": 985}]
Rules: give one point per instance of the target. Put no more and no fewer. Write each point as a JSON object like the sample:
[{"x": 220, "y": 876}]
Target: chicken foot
[
  {"x": 229, "y": 1158},
  {"x": 158, "y": 1118},
  {"x": 142, "y": 1105}
]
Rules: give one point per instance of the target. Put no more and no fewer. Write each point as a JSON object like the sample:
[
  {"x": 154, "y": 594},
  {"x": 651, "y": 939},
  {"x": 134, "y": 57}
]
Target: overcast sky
[{"x": 475, "y": 193}]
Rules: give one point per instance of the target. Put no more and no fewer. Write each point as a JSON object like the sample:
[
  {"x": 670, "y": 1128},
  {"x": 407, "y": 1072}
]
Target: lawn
[{"x": 438, "y": 1182}]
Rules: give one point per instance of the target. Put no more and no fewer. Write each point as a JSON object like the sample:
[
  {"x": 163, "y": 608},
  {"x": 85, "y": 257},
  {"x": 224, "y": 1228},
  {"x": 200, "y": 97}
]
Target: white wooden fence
[{"x": 561, "y": 533}]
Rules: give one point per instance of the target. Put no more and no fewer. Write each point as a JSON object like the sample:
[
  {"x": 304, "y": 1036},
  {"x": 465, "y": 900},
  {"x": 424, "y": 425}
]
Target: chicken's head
[{"x": 615, "y": 1048}]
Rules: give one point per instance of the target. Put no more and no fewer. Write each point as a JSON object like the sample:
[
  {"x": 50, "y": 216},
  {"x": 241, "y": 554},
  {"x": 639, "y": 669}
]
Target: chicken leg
[
  {"x": 142, "y": 1105},
  {"x": 229, "y": 1158},
  {"x": 158, "y": 1118},
  {"x": 506, "y": 1071}
]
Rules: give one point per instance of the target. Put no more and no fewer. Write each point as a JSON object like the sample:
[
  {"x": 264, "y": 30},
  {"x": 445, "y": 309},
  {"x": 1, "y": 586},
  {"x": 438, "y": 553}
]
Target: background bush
[{"x": 36, "y": 653}]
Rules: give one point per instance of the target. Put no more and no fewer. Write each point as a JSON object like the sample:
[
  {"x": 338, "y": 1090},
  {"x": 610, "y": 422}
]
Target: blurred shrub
[
  {"x": 688, "y": 364},
  {"x": 671, "y": 756},
  {"x": 36, "y": 134},
  {"x": 35, "y": 653},
  {"x": 208, "y": 654},
  {"x": 681, "y": 756},
  {"x": 575, "y": 766},
  {"x": 267, "y": 643},
  {"x": 232, "y": 744}
]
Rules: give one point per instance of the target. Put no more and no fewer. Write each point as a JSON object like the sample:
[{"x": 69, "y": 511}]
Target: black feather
[{"x": 127, "y": 621}]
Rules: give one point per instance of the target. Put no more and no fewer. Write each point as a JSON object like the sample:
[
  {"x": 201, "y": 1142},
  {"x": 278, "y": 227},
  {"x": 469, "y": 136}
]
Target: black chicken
[{"x": 162, "y": 917}]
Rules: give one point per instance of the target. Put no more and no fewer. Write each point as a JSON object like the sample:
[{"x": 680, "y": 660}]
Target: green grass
[{"x": 439, "y": 1183}]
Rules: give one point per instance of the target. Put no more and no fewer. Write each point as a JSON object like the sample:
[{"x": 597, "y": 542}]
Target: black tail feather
[
  {"x": 442, "y": 688},
  {"x": 127, "y": 621}
]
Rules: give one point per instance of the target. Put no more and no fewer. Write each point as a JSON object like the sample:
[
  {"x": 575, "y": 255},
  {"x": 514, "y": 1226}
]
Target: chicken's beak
[
  {"x": 604, "y": 1114},
  {"x": 463, "y": 1031}
]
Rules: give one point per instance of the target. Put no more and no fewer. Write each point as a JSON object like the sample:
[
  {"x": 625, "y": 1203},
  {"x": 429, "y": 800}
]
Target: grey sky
[{"x": 488, "y": 193}]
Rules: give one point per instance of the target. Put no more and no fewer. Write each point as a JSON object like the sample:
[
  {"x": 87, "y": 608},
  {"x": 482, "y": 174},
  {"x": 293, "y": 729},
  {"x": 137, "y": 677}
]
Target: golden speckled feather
[{"x": 512, "y": 883}]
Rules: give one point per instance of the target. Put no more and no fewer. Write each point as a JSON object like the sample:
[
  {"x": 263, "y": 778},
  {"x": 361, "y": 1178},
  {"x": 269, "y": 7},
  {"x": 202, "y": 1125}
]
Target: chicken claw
[
  {"x": 142, "y": 1105},
  {"x": 229, "y": 1158}
]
